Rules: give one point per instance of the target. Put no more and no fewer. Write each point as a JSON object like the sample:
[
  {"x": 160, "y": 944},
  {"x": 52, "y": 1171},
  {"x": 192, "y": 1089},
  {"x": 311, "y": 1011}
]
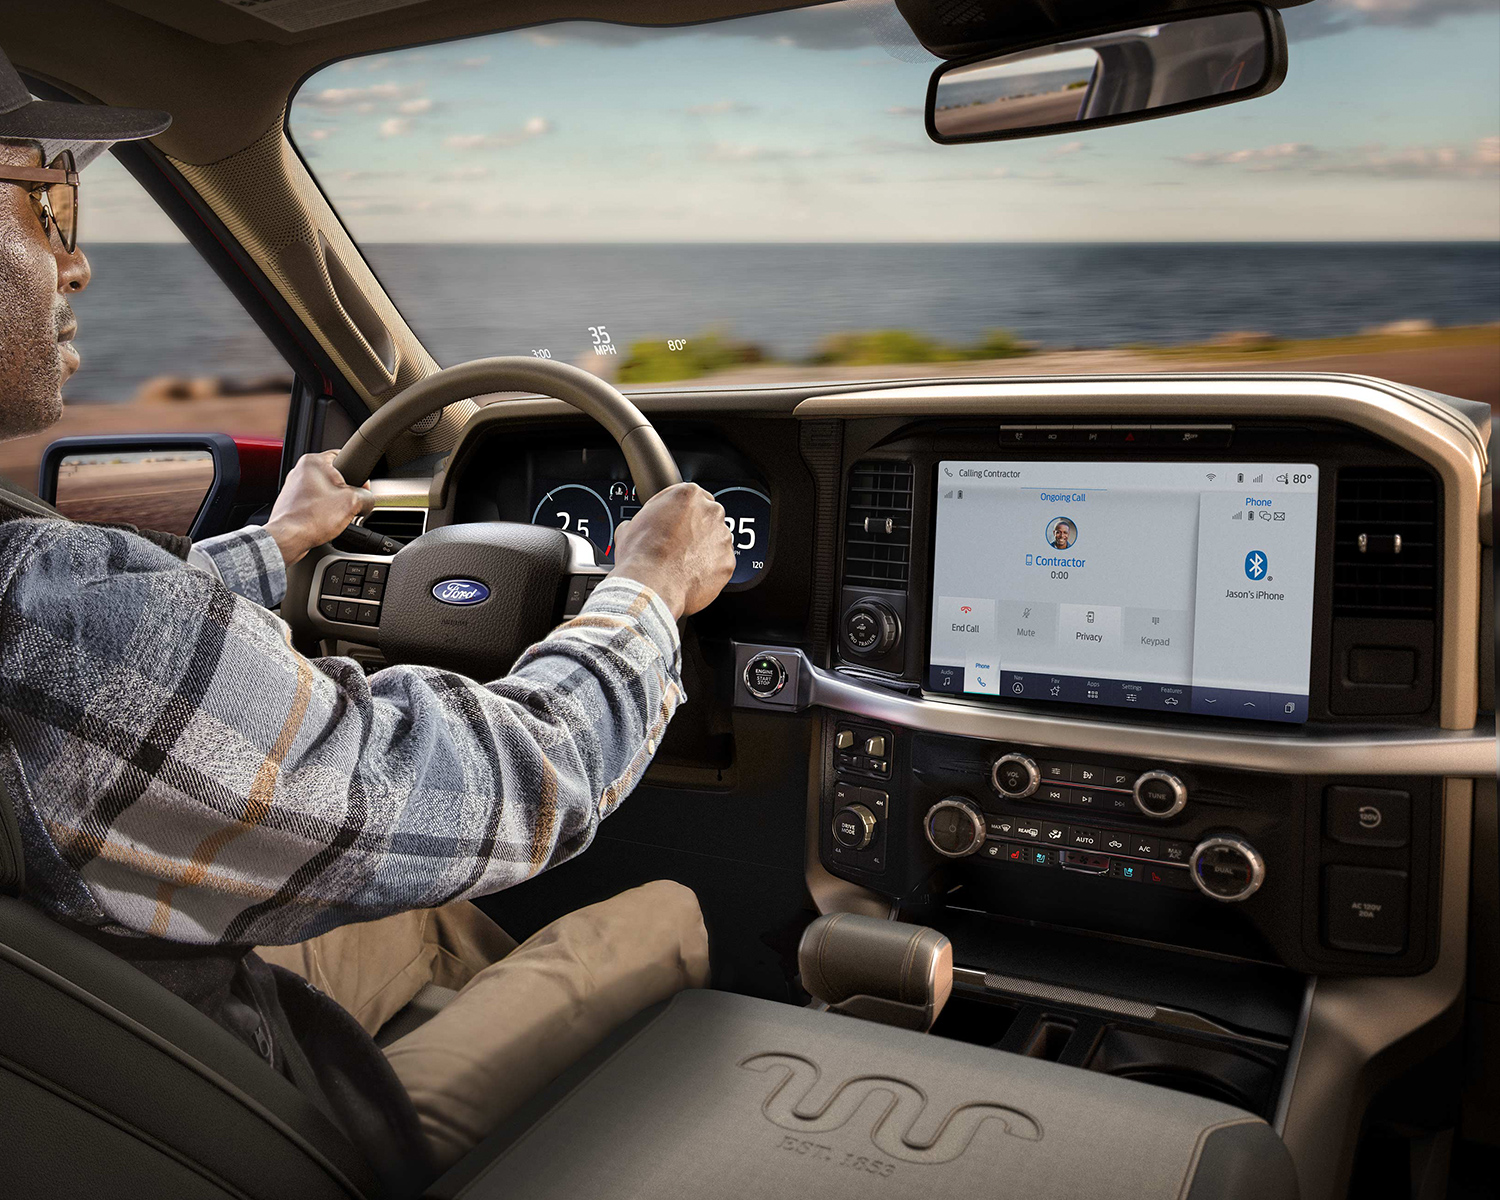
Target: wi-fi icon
[{"x": 1210, "y": 477}]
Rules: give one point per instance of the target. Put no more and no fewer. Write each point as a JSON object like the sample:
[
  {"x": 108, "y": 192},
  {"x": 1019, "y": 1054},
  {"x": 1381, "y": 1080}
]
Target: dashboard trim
[
  {"x": 1437, "y": 435},
  {"x": 1313, "y": 751}
]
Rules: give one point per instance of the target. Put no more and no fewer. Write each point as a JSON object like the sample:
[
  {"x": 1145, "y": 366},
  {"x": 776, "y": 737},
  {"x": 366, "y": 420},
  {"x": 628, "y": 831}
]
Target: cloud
[
  {"x": 906, "y": 110},
  {"x": 534, "y": 128},
  {"x": 473, "y": 64},
  {"x": 467, "y": 174},
  {"x": 355, "y": 97},
  {"x": 747, "y": 152},
  {"x": 1065, "y": 149},
  {"x": 415, "y": 107},
  {"x": 1477, "y": 161},
  {"x": 1329, "y": 17},
  {"x": 395, "y": 127},
  {"x": 718, "y": 108},
  {"x": 321, "y": 134},
  {"x": 378, "y": 64}
]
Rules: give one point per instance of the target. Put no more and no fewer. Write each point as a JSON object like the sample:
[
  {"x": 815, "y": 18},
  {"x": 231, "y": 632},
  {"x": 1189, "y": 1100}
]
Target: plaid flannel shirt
[{"x": 179, "y": 770}]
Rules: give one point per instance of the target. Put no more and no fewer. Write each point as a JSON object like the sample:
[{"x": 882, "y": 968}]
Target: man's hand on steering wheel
[
  {"x": 679, "y": 546},
  {"x": 315, "y": 506}
]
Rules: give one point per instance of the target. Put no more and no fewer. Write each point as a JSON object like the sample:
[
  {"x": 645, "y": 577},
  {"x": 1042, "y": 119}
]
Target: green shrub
[
  {"x": 876, "y": 347},
  {"x": 651, "y": 361},
  {"x": 997, "y": 343}
]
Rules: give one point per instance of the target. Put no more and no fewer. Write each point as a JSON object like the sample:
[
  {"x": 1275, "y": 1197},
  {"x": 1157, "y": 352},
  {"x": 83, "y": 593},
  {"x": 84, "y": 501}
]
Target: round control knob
[
  {"x": 1015, "y": 776},
  {"x": 871, "y": 629},
  {"x": 764, "y": 677},
  {"x": 854, "y": 827},
  {"x": 1227, "y": 868},
  {"x": 1160, "y": 794},
  {"x": 954, "y": 827}
]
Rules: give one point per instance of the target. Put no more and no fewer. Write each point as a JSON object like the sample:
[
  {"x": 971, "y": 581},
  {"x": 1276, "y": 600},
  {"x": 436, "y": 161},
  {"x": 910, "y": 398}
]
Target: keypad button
[
  {"x": 1145, "y": 846},
  {"x": 1176, "y": 852},
  {"x": 1031, "y": 831}
]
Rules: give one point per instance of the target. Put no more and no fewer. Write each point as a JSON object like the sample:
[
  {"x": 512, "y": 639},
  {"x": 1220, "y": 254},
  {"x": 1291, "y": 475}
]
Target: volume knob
[{"x": 954, "y": 827}]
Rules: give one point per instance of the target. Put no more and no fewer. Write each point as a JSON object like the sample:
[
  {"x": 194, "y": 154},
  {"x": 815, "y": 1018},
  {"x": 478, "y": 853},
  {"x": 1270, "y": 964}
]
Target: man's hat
[{"x": 86, "y": 129}]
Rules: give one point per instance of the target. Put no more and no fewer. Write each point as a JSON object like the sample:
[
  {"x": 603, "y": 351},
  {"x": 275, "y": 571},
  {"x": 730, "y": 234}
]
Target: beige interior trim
[{"x": 1402, "y": 416}]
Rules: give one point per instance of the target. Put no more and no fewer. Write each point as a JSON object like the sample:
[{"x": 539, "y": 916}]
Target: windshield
[{"x": 757, "y": 201}]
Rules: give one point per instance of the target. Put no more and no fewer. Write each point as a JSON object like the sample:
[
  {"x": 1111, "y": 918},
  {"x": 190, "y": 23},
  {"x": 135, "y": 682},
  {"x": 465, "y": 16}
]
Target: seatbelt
[{"x": 12, "y": 862}]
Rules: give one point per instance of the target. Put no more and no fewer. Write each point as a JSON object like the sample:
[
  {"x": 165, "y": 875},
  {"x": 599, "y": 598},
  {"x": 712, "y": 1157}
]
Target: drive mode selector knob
[
  {"x": 954, "y": 827},
  {"x": 870, "y": 628},
  {"x": 1160, "y": 794},
  {"x": 1015, "y": 776},
  {"x": 854, "y": 827},
  {"x": 1227, "y": 868}
]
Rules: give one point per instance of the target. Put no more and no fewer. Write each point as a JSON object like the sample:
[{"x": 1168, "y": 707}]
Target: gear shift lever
[{"x": 884, "y": 971}]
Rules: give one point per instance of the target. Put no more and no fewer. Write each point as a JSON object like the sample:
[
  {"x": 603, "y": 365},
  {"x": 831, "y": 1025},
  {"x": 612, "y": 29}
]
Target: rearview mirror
[{"x": 1111, "y": 76}]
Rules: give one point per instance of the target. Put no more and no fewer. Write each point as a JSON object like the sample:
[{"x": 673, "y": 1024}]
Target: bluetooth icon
[{"x": 1256, "y": 564}]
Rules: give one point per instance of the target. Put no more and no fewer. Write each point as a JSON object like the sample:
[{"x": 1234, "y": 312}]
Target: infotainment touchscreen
[{"x": 1178, "y": 587}]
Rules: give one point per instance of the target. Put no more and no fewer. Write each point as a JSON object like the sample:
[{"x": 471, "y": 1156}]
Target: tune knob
[
  {"x": 1015, "y": 776},
  {"x": 871, "y": 629},
  {"x": 1160, "y": 794},
  {"x": 854, "y": 827},
  {"x": 1227, "y": 868},
  {"x": 954, "y": 827}
]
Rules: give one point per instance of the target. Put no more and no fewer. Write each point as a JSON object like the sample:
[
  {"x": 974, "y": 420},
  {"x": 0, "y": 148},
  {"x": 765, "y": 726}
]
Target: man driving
[{"x": 188, "y": 786}]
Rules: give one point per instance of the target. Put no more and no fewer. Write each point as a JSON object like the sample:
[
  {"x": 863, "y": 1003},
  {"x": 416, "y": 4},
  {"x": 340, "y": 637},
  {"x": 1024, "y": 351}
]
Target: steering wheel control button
[
  {"x": 1160, "y": 794},
  {"x": 1015, "y": 776},
  {"x": 765, "y": 677},
  {"x": 329, "y": 608},
  {"x": 1360, "y": 816},
  {"x": 1227, "y": 868},
  {"x": 954, "y": 827},
  {"x": 854, "y": 827},
  {"x": 1364, "y": 909},
  {"x": 871, "y": 629},
  {"x": 369, "y": 614}
]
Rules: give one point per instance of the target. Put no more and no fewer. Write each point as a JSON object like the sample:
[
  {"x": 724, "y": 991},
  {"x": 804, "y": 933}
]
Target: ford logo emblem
[{"x": 461, "y": 591}]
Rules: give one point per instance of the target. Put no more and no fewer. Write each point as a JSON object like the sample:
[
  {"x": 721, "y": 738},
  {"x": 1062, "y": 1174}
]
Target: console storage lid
[{"x": 722, "y": 1095}]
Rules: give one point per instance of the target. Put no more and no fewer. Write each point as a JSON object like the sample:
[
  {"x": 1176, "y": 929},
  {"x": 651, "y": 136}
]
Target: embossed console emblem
[{"x": 896, "y": 1113}]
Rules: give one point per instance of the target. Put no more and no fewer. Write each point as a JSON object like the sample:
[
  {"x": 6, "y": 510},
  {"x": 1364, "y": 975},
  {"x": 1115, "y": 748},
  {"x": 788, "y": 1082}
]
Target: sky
[{"x": 807, "y": 126}]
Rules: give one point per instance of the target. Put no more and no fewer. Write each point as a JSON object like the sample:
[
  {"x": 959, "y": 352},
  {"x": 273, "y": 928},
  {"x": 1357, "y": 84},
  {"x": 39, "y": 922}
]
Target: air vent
[
  {"x": 402, "y": 524},
  {"x": 1385, "y": 544},
  {"x": 877, "y": 529}
]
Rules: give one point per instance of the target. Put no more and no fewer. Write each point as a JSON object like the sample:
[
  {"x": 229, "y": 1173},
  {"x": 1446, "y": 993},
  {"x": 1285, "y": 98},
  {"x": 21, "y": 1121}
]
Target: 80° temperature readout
[{"x": 595, "y": 510}]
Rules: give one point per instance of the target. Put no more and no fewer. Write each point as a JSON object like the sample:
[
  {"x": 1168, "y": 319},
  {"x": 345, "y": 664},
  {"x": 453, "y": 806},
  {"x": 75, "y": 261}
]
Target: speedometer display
[
  {"x": 596, "y": 508},
  {"x": 747, "y": 512}
]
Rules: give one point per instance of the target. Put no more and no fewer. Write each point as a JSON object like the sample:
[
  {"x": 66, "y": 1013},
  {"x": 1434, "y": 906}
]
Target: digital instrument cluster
[{"x": 595, "y": 509}]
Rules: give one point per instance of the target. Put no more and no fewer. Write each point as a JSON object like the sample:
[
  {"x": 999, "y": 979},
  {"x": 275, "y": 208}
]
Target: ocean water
[{"x": 157, "y": 310}]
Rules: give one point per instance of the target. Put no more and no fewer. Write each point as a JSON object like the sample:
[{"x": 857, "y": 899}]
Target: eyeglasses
[{"x": 54, "y": 196}]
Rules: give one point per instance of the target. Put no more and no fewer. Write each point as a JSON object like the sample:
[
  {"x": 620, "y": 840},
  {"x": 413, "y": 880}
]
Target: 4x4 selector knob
[
  {"x": 1160, "y": 794},
  {"x": 1227, "y": 868},
  {"x": 854, "y": 827},
  {"x": 954, "y": 827},
  {"x": 1015, "y": 776},
  {"x": 871, "y": 629}
]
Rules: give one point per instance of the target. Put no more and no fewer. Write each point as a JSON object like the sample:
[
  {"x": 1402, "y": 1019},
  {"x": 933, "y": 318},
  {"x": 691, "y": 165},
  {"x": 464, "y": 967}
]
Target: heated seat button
[
  {"x": 1359, "y": 816},
  {"x": 1365, "y": 909}
]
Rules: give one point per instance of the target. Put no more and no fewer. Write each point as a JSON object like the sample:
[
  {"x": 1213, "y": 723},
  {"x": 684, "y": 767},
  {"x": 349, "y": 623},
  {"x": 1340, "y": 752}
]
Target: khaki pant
[{"x": 523, "y": 1013}]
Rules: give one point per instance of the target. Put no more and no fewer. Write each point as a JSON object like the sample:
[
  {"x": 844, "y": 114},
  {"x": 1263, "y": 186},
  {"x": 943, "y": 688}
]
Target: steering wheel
[{"x": 468, "y": 598}]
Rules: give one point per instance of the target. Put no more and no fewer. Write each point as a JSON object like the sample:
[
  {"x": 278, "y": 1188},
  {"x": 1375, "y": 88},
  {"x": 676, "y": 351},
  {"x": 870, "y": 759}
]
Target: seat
[{"x": 713, "y": 1094}]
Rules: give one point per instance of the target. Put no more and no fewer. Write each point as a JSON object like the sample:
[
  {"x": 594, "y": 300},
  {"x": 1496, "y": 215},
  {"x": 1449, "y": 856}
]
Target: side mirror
[
  {"x": 1110, "y": 76},
  {"x": 175, "y": 483}
]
